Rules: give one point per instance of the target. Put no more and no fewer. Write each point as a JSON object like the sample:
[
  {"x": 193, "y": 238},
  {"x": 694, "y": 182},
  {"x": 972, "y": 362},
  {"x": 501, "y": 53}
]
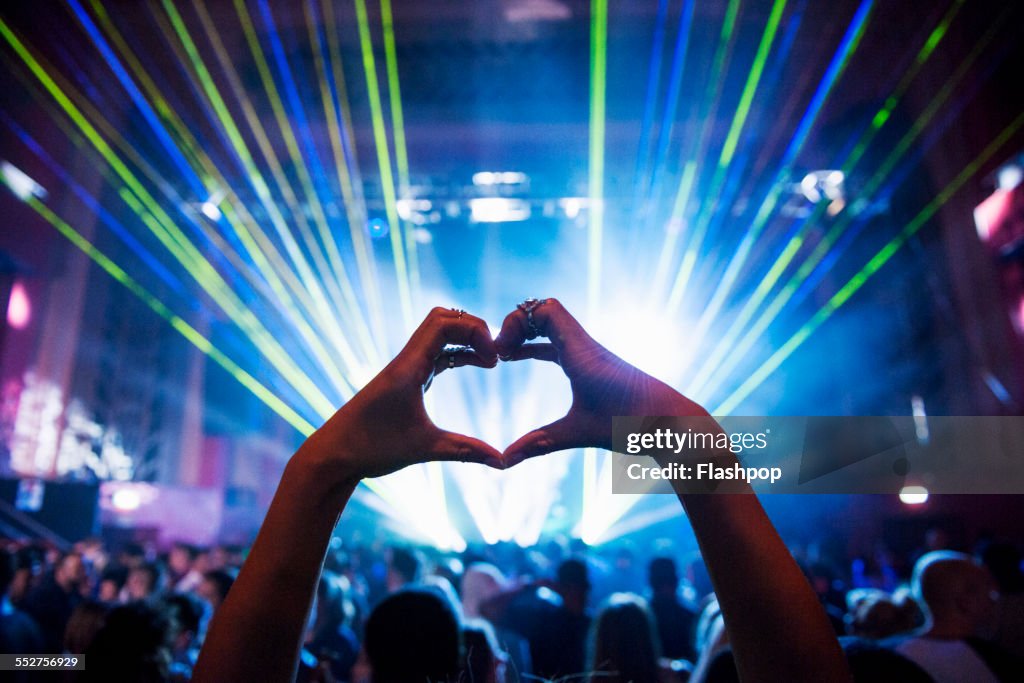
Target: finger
[
  {"x": 457, "y": 358},
  {"x": 444, "y": 326},
  {"x": 455, "y": 447},
  {"x": 550, "y": 319},
  {"x": 541, "y": 351},
  {"x": 514, "y": 330},
  {"x": 560, "y": 435}
]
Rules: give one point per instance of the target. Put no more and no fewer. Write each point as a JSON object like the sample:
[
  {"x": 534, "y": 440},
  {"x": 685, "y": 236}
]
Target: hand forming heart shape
[{"x": 386, "y": 427}]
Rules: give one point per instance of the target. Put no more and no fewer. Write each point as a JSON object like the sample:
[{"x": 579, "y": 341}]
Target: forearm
[
  {"x": 777, "y": 627},
  {"x": 257, "y": 632}
]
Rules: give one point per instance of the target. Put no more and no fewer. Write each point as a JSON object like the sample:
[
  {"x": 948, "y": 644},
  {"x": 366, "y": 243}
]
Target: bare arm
[
  {"x": 778, "y": 629},
  {"x": 257, "y": 633}
]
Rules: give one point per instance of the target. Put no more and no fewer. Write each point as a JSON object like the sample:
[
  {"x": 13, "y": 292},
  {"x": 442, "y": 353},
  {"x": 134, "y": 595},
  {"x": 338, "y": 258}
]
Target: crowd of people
[
  {"x": 551, "y": 612},
  {"x": 298, "y": 605}
]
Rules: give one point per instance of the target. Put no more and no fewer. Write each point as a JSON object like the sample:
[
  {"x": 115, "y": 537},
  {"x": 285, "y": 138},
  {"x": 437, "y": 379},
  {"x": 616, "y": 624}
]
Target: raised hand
[
  {"x": 385, "y": 426},
  {"x": 603, "y": 385}
]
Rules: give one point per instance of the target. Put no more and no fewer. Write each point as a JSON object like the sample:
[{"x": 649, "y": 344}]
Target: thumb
[
  {"x": 452, "y": 446},
  {"x": 560, "y": 435}
]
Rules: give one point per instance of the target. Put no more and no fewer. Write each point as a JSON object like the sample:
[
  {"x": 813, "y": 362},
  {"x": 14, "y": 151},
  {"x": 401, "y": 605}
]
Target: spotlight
[
  {"x": 913, "y": 495},
  {"x": 23, "y": 187},
  {"x": 498, "y": 210},
  {"x": 809, "y": 186},
  {"x": 126, "y": 500},
  {"x": 1010, "y": 176},
  {"x": 413, "y": 210},
  {"x": 572, "y": 206},
  {"x": 489, "y": 178},
  {"x": 211, "y": 211},
  {"x": 19, "y": 309},
  {"x": 825, "y": 184}
]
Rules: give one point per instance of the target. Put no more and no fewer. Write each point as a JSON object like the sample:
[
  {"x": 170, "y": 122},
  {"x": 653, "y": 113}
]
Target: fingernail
[{"x": 504, "y": 357}]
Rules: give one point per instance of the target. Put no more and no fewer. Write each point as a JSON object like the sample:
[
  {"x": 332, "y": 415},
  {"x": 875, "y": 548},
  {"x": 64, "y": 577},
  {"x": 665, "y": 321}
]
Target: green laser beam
[
  {"x": 677, "y": 293},
  {"x": 305, "y": 271},
  {"x": 739, "y": 258},
  {"x": 821, "y": 250},
  {"x": 387, "y": 179},
  {"x": 257, "y": 245},
  {"x": 708, "y": 106},
  {"x": 595, "y": 184},
  {"x": 331, "y": 71},
  {"x": 864, "y": 274},
  {"x": 339, "y": 281},
  {"x": 173, "y": 239},
  {"x": 194, "y": 337},
  {"x": 398, "y": 131}
]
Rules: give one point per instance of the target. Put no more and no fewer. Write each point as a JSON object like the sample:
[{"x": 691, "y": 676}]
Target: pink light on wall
[{"x": 19, "y": 309}]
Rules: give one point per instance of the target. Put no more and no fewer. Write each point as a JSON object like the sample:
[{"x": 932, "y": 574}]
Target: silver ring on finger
[{"x": 528, "y": 306}]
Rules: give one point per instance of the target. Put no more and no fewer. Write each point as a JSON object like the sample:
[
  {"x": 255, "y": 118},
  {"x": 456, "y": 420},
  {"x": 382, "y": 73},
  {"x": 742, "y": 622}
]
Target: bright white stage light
[
  {"x": 809, "y": 186},
  {"x": 572, "y": 206},
  {"x": 489, "y": 178},
  {"x": 510, "y": 506},
  {"x": 825, "y": 184},
  {"x": 19, "y": 308},
  {"x": 23, "y": 187},
  {"x": 126, "y": 500},
  {"x": 1009, "y": 176},
  {"x": 650, "y": 340},
  {"x": 913, "y": 495},
  {"x": 211, "y": 211},
  {"x": 498, "y": 210},
  {"x": 413, "y": 209}
]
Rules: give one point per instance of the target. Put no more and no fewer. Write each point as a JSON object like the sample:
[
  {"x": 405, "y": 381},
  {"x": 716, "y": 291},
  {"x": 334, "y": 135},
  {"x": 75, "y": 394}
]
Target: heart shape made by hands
[{"x": 602, "y": 385}]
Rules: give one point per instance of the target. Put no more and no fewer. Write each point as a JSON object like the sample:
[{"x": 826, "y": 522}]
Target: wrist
[{"x": 330, "y": 465}]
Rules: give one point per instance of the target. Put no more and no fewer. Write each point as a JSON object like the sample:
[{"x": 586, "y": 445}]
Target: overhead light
[
  {"x": 1010, "y": 176},
  {"x": 498, "y": 210},
  {"x": 824, "y": 184},
  {"x": 211, "y": 207},
  {"x": 19, "y": 309},
  {"x": 489, "y": 178},
  {"x": 413, "y": 209},
  {"x": 23, "y": 187},
  {"x": 211, "y": 211},
  {"x": 913, "y": 495},
  {"x": 126, "y": 500},
  {"x": 572, "y": 206},
  {"x": 809, "y": 186}
]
